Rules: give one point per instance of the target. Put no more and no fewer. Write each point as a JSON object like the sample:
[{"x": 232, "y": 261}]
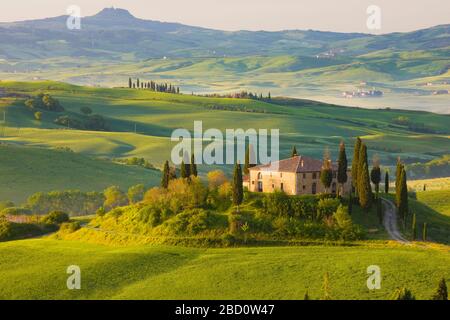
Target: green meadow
[
  {"x": 36, "y": 269},
  {"x": 141, "y": 122}
]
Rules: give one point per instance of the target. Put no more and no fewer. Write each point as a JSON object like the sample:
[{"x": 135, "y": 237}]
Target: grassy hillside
[
  {"x": 26, "y": 170},
  {"x": 36, "y": 269},
  {"x": 309, "y": 125},
  {"x": 437, "y": 200}
]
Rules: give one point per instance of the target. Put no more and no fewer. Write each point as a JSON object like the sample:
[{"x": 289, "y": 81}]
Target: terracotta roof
[{"x": 294, "y": 164}]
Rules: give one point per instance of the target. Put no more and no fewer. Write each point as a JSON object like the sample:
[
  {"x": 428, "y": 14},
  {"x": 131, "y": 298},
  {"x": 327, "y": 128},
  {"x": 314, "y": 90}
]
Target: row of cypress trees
[{"x": 153, "y": 86}]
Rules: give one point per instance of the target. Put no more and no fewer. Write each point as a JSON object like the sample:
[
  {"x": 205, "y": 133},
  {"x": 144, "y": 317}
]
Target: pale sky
[{"x": 329, "y": 15}]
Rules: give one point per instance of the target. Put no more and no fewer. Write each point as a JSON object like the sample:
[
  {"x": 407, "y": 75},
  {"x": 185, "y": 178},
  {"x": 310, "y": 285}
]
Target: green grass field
[
  {"x": 36, "y": 269},
  {"x": 26, "y": 170}
]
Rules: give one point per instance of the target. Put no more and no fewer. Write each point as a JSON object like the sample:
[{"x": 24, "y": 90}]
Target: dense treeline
[
  {"x": 153, "y": 86},
  {"x": 239, "y": 95},
  {"x": 93, "y": 122},
  {"x": 44, "y": 101}
]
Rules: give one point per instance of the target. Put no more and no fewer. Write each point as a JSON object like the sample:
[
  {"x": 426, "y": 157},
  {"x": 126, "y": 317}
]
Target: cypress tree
[
  {"x": 193, "y": 166},
  {"x": 187, "y": 169},
  {"x": 386, "y": 182},
  {"x": 355, "y": 162},
  {"x": 137, "y": 83},
  {"x": 294, "y": 152},
  {"x": 364, "y": 188},
  {"x": 424, "y": 232},
  {"x": 183, "y": 170},
  {"x": 238, "y": 190},
  {"x": 326, "y": 174},
  {"x": 398, "y": 174},
  {"x": 247, "y": 160},
  {"x": 403, "y": 198},
  {"x": 342, "y": 166},
  {"x": 165, "y": 175},
  {"x": 441, "y": 292},
  {"x": 130, "y": 83},
  {"x": 375, "y": 177},
  {"x": 379, "y": 211},
  {"x": 350, "y": 204},
  {"x": 414, "y": 228}
]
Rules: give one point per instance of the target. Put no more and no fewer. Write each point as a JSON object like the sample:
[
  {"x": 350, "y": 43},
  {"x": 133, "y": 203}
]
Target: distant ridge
[{"x": 113, "y": 32}]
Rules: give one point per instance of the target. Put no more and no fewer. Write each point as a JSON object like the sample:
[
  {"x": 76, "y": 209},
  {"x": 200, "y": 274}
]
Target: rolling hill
[{"x": 141, "y": 123}]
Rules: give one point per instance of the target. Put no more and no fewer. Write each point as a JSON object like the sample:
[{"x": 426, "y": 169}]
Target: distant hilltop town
[{"x": 362, "y": 94}]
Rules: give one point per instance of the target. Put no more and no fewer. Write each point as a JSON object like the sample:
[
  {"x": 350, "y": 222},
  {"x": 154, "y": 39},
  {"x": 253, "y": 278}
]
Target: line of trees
[
  {"x": 240, "y": 95},
  {"x": 153, "y": 86}
]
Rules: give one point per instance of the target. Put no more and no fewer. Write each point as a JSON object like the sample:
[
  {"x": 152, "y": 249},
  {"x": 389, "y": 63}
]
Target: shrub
[
  {"x": 303, "y": 207},
  {"x": 216, "y": 178},
  {"x": 189, "y": 222},
  {"x": 38, "y": 115},
  {"x": 402, "y": 294},
  {"x": 69, "y": 227},
  {"x": 100, "y": 212},
  {"x": 326, "y": 207},
  {"x": 277, "y": 204},
  {"x": 56, "y": 217}
]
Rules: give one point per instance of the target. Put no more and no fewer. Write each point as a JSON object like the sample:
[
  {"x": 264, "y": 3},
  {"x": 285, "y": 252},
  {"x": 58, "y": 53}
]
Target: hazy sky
[{"x": 334, "y": 15}]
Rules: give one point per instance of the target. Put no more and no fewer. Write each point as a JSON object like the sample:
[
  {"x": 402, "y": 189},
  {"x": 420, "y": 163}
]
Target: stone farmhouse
[{"x": 294, "y": 176}]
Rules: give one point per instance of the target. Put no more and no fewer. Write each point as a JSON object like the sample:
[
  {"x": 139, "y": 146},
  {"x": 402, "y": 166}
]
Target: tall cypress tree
[
  {"x": 130, "y": 83},
  {"x": 294, "y": 152},
  {"x": 386, "y": 182},
  {"x": 238, "y": 190},
  {"x": 137, "y": 83},
  {"x": 398, "y": 175},
  {"x": 364, "y": 188},
  {"x": 193, "y": 166},
  {"x": 247, "y": 160},
  {"x": 414, "y": 228},
  {"x": 183, "y": 172},
  {"x": 403, "y": 207},
  {"x": 342, "y": 167},
  {"x": 355, "y": 163},
  {"x": 165, "y": 175},
  {"x": 250, "y": 160}
]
